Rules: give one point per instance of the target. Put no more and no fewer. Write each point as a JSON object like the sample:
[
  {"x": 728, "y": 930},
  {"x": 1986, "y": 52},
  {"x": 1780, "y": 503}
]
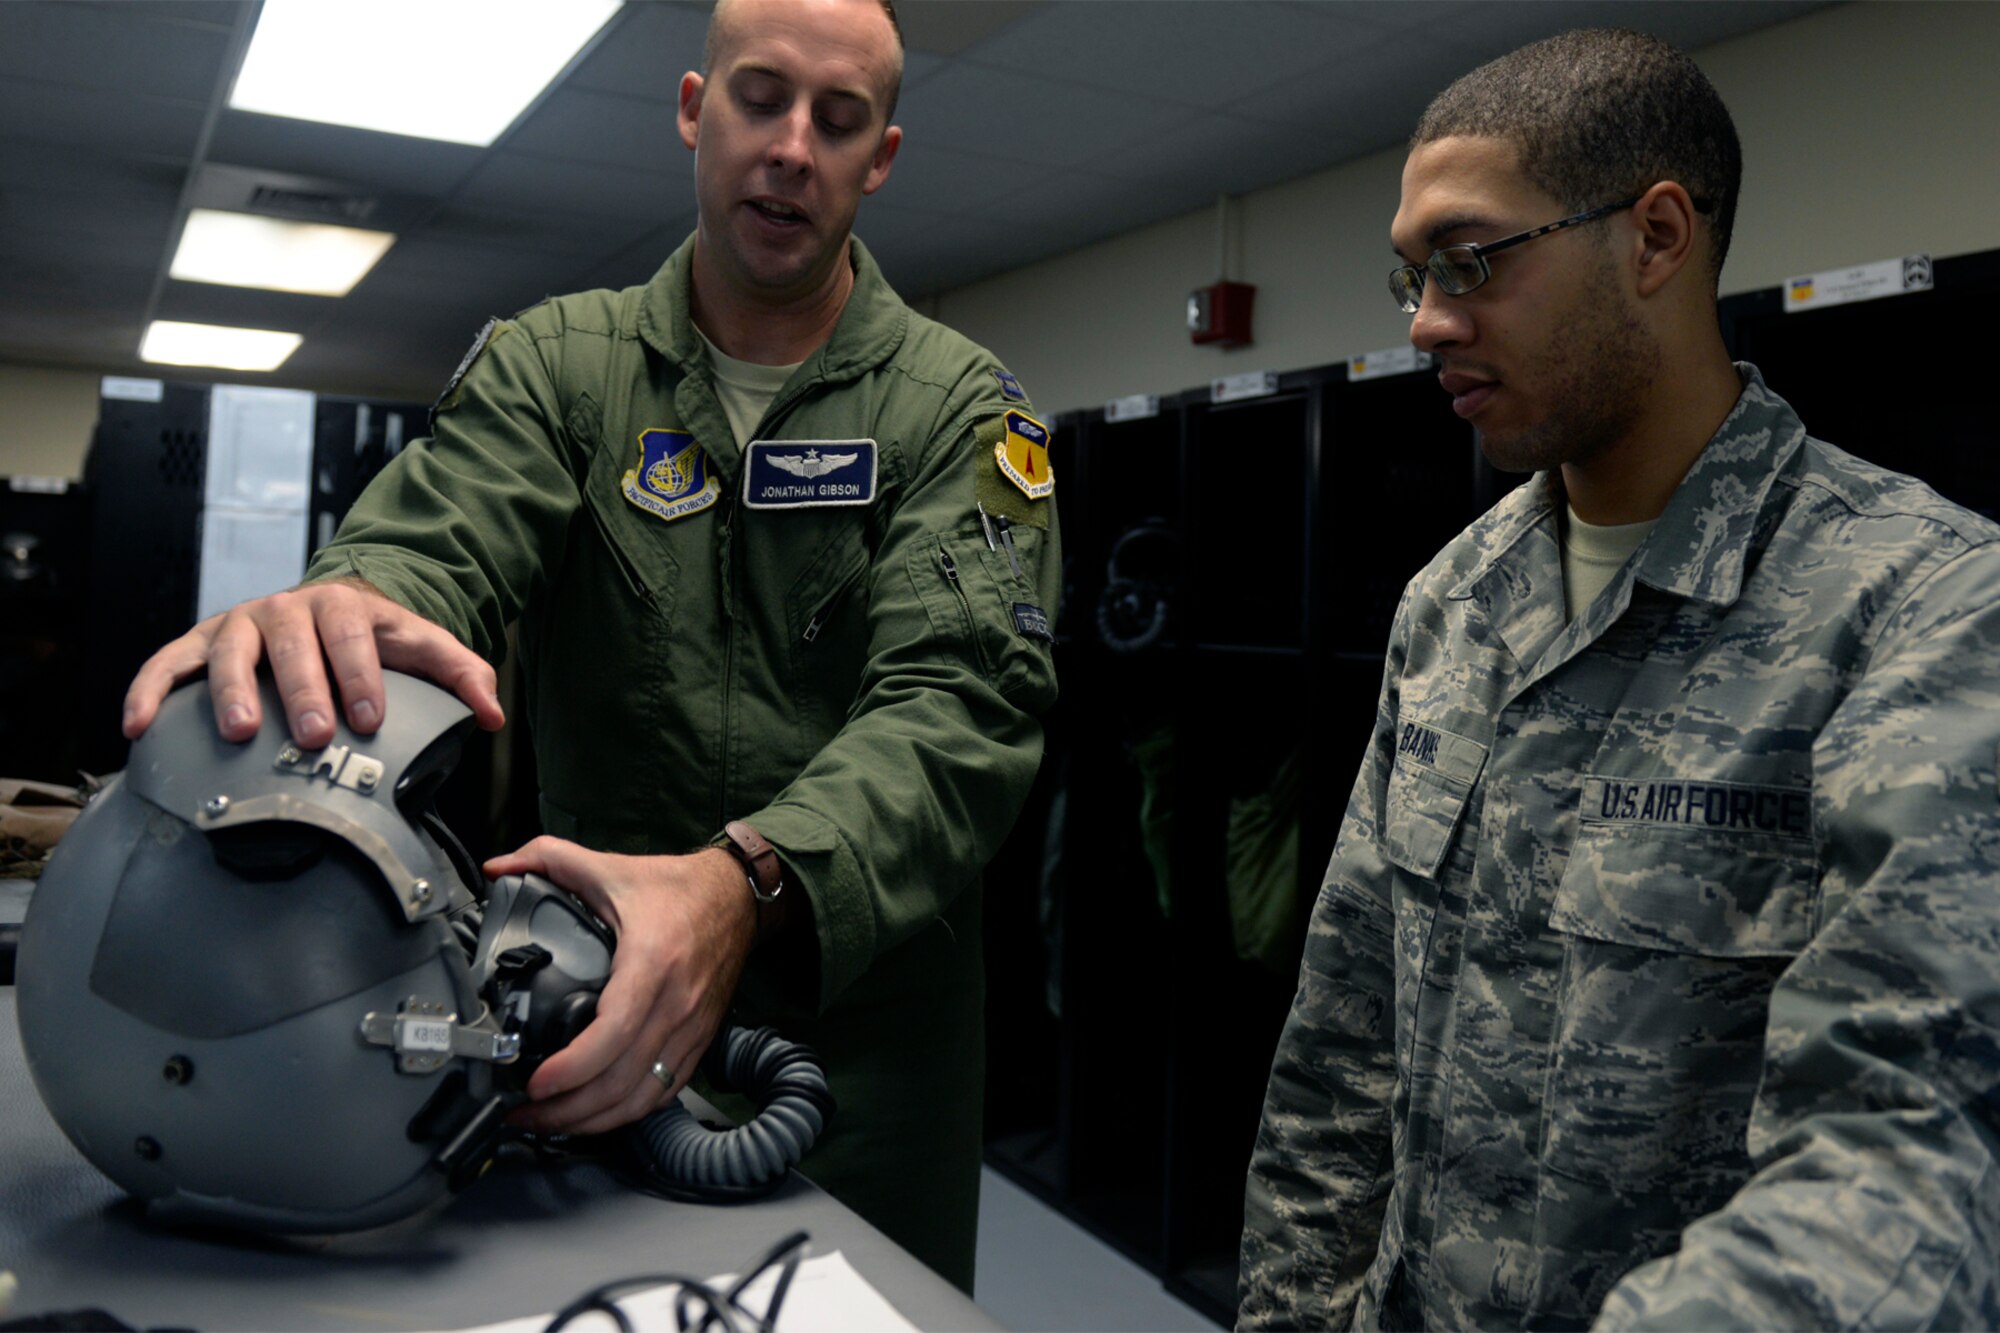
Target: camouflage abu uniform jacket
[{"x": 1656, "y": 975}]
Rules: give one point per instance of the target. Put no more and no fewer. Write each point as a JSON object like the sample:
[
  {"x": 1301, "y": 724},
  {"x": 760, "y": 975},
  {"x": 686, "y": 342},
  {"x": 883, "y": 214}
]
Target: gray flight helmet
[{"x": 243, "y": 983}]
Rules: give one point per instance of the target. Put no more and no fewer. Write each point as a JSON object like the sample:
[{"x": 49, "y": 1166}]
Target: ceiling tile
[
  {"x": 26, "y": 164},
  {"x": 45, "y": 283},
  {"x": 125, "y": 121},
  {"x": 213, "y": 13},
  {"x": 429, "y": 272},
  {"x": 1025, "y": 117},
  {"x": 937, "y": 179},
  {"x": 367, "y": 158},
  {"x": 646, "y": 52},
  {"x": 1366, "y": 103},
  {"x": 1408, "y": 16},
  {"x": 1192, "y": 52},
  {"x": 68, "y": 229},
  {"x": 635, "y": 264},
  {"x": 1073, "y": 208},
  {"x": 542, "y": 231},
  {"x": 949, "y": 27},
  {"x": 522, "y": 180},
  {"x": 885, "y": 226},
  {"x": 1488, "y": 30},
  {"x": 608, "y": 129},
  {"x": 1213, "y": 153},
  {"x": 242, "y": 307},
  {"x": 121, "y": 49}
]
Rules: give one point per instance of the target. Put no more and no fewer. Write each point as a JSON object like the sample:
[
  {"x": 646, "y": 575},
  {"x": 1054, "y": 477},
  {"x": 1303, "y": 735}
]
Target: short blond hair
[{"x": 895, "y": 77}]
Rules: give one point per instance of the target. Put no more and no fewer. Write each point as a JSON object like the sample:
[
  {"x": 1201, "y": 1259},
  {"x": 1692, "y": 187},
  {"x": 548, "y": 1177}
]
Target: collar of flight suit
[
  {"x": 871, "y": 326},
  {"x": 1701, "y": 545}
]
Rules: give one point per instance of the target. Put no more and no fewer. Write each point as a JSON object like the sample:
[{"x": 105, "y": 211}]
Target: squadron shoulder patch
[
  {"x": 1023, "y": 455},
  {"x": 672, "y": 479},
  {"x": 797, "y": 474}
]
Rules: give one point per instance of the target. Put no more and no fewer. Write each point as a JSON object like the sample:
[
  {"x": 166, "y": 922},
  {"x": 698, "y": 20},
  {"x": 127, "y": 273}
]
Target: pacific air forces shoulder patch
[
  {"x": 1023, "y": 455},
  {"x": 672, "y": 479}
]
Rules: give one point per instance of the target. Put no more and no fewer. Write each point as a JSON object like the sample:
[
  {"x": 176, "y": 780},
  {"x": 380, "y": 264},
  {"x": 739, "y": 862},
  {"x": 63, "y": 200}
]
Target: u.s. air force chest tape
[
  {"x": 672, "y": 478},
  {"x": 802, "y": 474},
  {"x": 1019, "y": 480},
  {"x": 1694, "y": 803}
]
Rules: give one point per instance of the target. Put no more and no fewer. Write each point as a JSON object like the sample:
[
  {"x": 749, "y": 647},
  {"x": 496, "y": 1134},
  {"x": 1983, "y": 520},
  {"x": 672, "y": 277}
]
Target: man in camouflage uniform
[{"x": 1655, "y": 980}]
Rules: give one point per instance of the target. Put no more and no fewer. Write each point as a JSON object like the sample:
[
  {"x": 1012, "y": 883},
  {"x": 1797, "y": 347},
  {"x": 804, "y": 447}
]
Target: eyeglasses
[{"x": 1463, "y": 268}]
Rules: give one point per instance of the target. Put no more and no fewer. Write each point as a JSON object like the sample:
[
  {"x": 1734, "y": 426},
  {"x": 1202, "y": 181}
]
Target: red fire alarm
[{"x": 1221, "y": 313}]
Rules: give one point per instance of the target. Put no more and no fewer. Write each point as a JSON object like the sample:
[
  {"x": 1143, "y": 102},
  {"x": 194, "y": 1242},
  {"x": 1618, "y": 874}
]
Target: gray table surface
[{"x": 524, "y": 1240}]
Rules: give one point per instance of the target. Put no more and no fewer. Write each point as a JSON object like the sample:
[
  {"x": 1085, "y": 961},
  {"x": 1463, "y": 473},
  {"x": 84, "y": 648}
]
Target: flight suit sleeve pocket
[
  {"x": 1688, "y": 891},
  {"x": 990, "y": 617},
  {"x": 1429, "y": 786}
]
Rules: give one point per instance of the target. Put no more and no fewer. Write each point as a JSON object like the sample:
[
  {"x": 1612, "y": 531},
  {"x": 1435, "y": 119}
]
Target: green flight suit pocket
[
  {"x": 826, "y": 623},
  {"x": 988, "y": 615}
]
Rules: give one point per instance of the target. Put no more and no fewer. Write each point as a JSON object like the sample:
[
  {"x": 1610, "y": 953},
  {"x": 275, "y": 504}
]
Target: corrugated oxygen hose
[{"x": 783, "y": 1078}]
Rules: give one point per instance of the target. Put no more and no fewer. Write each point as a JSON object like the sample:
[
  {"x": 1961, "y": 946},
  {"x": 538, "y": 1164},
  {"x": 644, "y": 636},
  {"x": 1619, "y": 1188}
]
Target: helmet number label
[{"x": 425, "y": 1035}]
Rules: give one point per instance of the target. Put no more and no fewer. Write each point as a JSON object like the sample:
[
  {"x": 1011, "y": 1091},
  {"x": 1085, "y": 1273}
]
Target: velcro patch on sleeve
[
  {"x": 1031, "y": 622},
  {"x": 449, "y": 398},
  {"x": 1000, "y": 497}
]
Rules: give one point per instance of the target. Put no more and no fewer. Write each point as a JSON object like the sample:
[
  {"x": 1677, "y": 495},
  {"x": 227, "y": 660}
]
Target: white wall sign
[
  {"x": 1389, "y": 361},
  {"x": 1250, "y": 384},
  {"x": 132, "y": 390},
  {"x": 1134, "y": 407},
  {"x": 1864, "y": 282}
]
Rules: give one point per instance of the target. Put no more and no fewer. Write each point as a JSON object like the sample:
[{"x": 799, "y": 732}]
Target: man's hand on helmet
[
  {"x": 346, "y": 623},
  {"x": 685, "y": 925}
]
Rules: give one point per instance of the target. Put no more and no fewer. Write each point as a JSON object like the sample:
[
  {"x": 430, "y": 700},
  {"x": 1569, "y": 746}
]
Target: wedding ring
[{"x": 664, "y": 1074}]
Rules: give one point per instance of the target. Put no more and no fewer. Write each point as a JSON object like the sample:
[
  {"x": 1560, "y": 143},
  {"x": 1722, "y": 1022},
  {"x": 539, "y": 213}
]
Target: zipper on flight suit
[
  {"x": 964, "y": 605},
  {"x": 726, "y": 531},
  {"x": 824, "y": 612}
]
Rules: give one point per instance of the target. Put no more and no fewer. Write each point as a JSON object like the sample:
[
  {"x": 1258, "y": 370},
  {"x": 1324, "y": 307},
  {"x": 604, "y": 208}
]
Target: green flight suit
[{"x": 860, "y": 681}]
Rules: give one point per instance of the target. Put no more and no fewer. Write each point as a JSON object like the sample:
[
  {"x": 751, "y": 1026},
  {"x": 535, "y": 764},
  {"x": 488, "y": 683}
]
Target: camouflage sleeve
[
  {"x": 1876, "y": 1200},
  {"x": 1320, "y": 1171}
]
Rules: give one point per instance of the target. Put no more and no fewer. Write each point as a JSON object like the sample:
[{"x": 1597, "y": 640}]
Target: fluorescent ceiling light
[
  {"x": 457, "y": 70},
  {"x": 176, "y": 344},
  {"x": 243, "y": 250}
]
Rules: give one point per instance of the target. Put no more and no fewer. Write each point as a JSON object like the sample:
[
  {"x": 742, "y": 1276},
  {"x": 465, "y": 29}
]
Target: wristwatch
[{"x": 760, "y": 866}]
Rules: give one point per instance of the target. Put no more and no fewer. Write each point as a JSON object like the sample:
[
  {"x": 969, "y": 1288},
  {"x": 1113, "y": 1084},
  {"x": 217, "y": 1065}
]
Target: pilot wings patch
[{"x": 797, "y": 474}]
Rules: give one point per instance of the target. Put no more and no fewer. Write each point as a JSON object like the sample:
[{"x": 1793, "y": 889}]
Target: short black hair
[
  {"x": 1601, "y": 114},
  {"x": 895, "y": 26}
]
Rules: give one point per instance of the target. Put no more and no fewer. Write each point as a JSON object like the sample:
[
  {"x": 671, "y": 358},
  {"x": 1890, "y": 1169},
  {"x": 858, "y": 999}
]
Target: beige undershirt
[
  {"x": 1592, "y": 557},
  {"x": 745, "y": 389}
]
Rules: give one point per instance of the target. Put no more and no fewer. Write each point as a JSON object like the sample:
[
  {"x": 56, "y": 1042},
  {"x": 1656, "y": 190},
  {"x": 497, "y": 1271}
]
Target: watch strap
[{"x": 758, "y": 857}]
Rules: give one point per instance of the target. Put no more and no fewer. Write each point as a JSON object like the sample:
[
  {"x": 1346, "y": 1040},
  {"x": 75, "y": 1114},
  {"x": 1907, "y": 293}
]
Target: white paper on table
[{"x": 826, "y": 1296}]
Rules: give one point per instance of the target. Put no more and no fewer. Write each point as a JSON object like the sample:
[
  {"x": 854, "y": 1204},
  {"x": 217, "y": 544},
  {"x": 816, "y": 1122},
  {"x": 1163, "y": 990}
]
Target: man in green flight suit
[{"x": 747, "y": 518}]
